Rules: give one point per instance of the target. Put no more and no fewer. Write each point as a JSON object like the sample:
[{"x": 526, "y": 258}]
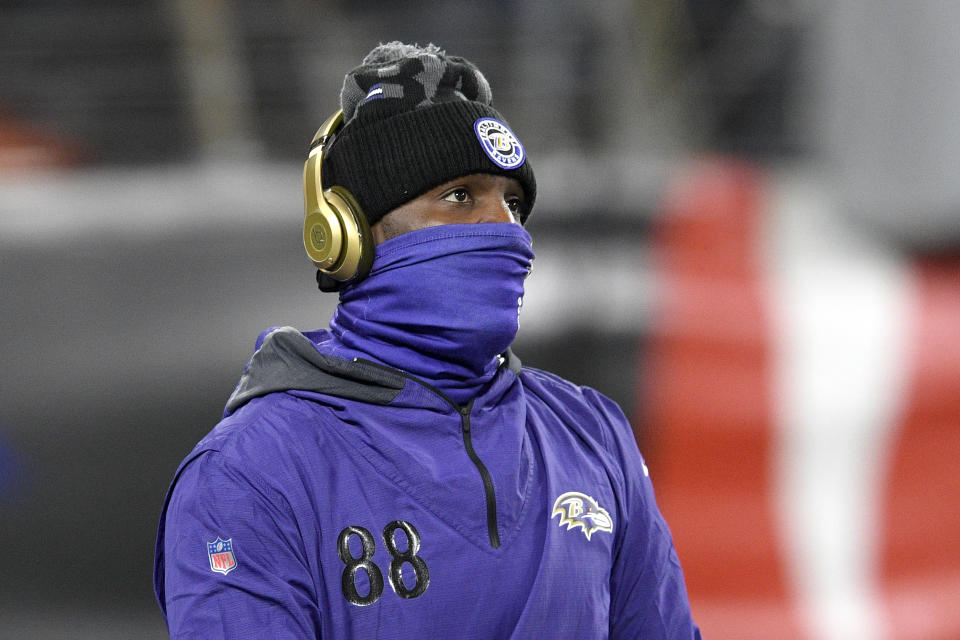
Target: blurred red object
[
  {"x": 706, "y": 403},
  {"x": 709, "y": 426},
  {"x": 921, "y": 533},
  {"x": 25, "y": 146}
]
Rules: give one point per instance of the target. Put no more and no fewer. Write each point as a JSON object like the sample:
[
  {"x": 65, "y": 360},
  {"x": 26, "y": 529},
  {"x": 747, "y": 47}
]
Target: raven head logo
[{"x": 580, "y": 510}]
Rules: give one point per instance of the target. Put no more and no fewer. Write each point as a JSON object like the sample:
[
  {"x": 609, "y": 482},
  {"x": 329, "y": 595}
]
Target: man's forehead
[{"x": 486, "y": 179}]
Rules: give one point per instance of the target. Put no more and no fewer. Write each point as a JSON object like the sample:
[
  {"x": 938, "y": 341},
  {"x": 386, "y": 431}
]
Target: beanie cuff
[{"x": 387, "y": 162}]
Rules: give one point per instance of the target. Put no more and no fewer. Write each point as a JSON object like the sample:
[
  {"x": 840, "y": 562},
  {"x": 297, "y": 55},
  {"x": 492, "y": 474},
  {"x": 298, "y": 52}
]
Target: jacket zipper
[
  {"x": 464, "y": 412},
  {"x": 484, "y": 475}
]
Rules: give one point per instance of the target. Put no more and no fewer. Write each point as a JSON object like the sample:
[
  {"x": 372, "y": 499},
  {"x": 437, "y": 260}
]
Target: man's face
[{"x": 478, "y": 197}]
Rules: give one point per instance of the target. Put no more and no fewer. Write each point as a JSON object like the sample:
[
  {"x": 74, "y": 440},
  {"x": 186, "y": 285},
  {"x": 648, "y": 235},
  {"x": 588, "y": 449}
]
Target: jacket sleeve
[
  {"x": 648, "y": 596},
  {"x": 230, "y": 561}
]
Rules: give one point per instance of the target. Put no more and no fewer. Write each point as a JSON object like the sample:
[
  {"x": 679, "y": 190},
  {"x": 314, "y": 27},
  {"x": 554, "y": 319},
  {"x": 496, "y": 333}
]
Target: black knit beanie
[{"x": 415, "y": 118}]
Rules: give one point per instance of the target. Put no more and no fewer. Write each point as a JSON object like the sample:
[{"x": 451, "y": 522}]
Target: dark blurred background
[{"x": 150, "y": 206}]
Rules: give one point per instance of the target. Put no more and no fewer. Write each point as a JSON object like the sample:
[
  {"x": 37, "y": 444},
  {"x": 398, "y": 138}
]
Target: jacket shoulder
[
  {"x": 264, "y": 441},
  {"x": 270, "y": 438},
  {"x": 264, "y": 424},
  {"x": 581, "y": 408},
  {"x": 250, "y": 452}
]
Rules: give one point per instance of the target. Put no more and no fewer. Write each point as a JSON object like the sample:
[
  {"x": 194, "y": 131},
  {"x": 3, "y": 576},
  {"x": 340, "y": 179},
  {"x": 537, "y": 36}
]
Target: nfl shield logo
[{"x": 221, "y": 556}]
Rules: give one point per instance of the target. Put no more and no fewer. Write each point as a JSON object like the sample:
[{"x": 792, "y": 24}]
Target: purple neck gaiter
[{"x": 440, "y": 303}]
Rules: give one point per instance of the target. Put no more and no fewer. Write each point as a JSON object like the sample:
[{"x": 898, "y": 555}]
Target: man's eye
[
  {"x": 457, "y": 195},
  {"x": 515, "y": 205}
]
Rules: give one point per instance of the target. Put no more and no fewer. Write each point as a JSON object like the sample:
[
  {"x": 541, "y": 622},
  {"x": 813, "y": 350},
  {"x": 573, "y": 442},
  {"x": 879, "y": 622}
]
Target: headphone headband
[{"x": 327, "y": 129}]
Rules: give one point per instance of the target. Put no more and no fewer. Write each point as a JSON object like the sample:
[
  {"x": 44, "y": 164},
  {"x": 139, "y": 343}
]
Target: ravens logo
[{"x": 580, "y": 510}]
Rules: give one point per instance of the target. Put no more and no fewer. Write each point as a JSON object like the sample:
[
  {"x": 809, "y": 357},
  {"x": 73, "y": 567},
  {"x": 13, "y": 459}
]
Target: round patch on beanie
[{"x": 499, "y": 143}]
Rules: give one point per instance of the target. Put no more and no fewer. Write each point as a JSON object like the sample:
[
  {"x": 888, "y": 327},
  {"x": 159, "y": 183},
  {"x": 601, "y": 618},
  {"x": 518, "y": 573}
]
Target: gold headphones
[{"x": 336, "y": 234}]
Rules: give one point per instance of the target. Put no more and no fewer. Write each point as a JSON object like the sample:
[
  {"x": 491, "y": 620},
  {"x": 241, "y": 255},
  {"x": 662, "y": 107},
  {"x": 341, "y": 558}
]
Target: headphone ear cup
[
  {"x": 356, "y": 242},
  {"x": 323, "y": 237},
  {"x": 336, "y": 235}
]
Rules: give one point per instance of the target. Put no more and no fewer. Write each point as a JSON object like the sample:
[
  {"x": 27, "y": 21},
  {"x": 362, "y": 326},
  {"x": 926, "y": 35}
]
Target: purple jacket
[{"x": 343, "y": 499}]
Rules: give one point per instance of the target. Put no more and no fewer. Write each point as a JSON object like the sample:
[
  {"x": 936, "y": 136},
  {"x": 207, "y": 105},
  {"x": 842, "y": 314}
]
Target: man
[{"x": 400, "y": 475}]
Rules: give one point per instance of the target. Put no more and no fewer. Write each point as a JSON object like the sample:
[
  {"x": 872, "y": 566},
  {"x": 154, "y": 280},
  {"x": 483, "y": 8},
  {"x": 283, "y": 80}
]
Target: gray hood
[{"x": 287, "y": 360}]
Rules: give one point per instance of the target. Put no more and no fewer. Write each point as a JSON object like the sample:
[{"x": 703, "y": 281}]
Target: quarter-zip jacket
[{"x": 344, "y": 499}]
